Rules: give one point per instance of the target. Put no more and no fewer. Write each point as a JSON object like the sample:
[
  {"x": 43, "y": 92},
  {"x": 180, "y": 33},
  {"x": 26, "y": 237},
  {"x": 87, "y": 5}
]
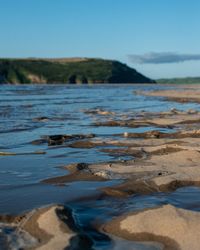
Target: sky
[{"x": 159, "y": 38}]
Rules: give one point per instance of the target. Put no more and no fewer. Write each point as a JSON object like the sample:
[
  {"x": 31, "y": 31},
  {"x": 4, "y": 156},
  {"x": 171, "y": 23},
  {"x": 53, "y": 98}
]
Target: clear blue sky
[{"x": 103, "y": 28}]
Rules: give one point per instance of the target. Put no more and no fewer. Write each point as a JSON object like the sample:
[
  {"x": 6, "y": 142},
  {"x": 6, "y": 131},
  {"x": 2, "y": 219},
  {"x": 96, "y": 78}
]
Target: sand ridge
[
  {"x": 45, "y": 226},
  {"x": 175, "y": 228}
]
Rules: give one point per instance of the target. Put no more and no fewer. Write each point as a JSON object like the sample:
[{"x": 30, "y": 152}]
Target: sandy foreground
[
  {"x": 59, "y": 234},
  {"x": 175, "y": 228},
  {"x": 40, "y": 229},
  {"x": 161, "y": 161}
]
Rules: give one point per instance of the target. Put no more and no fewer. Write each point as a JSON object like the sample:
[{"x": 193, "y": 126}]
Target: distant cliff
[{"x": 68, "y": 70}]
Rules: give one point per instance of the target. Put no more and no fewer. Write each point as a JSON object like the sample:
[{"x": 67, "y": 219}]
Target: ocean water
[{"x": 62, "y": 107}]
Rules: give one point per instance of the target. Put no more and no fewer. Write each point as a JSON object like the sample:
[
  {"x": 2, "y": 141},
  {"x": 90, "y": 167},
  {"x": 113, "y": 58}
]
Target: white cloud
[{"x": 162, "y": 57}]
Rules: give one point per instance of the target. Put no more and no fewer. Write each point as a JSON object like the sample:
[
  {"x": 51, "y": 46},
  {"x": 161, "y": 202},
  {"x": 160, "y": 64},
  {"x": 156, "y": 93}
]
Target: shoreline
[{"x": 154, "y": 161}]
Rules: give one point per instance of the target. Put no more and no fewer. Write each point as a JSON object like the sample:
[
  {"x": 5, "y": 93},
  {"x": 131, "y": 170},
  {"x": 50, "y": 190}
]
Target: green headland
[{"x": 68, "y": 70}]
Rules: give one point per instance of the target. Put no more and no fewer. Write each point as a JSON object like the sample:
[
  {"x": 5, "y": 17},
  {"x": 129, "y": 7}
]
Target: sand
[
  {"x": 175, "y": 228},
  {"x": 45, "y": 226},
  {"x": 187, "y": 94},
  {"x": 162, "y": 169},
  {"x": 51, "y": 225},
  {"x": 165, "y": 172},
  {"x": 167, "y": 119},
  {"x": 162, "y": 162}
]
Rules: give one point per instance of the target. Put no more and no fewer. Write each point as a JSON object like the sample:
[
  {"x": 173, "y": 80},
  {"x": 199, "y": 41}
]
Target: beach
[{"x": 100, "y": 166}]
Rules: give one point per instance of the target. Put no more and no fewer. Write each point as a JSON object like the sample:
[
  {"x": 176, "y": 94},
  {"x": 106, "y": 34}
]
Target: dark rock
[
  {"x": 41, "y": 119},
  {"x": 55, "y": 140},
  {"x": 60, "y": 139},
  {"x": 82, "y": 166}
]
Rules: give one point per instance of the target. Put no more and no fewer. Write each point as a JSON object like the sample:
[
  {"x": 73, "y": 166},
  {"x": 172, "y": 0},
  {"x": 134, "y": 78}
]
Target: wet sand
[
  {"x": 160, "y": 161},
  {"x": 163, "y": 163}
]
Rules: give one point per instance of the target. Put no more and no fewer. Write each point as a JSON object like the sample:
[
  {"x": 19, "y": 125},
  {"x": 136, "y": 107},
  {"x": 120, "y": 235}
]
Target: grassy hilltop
[{"x": 68, "y": 70}]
